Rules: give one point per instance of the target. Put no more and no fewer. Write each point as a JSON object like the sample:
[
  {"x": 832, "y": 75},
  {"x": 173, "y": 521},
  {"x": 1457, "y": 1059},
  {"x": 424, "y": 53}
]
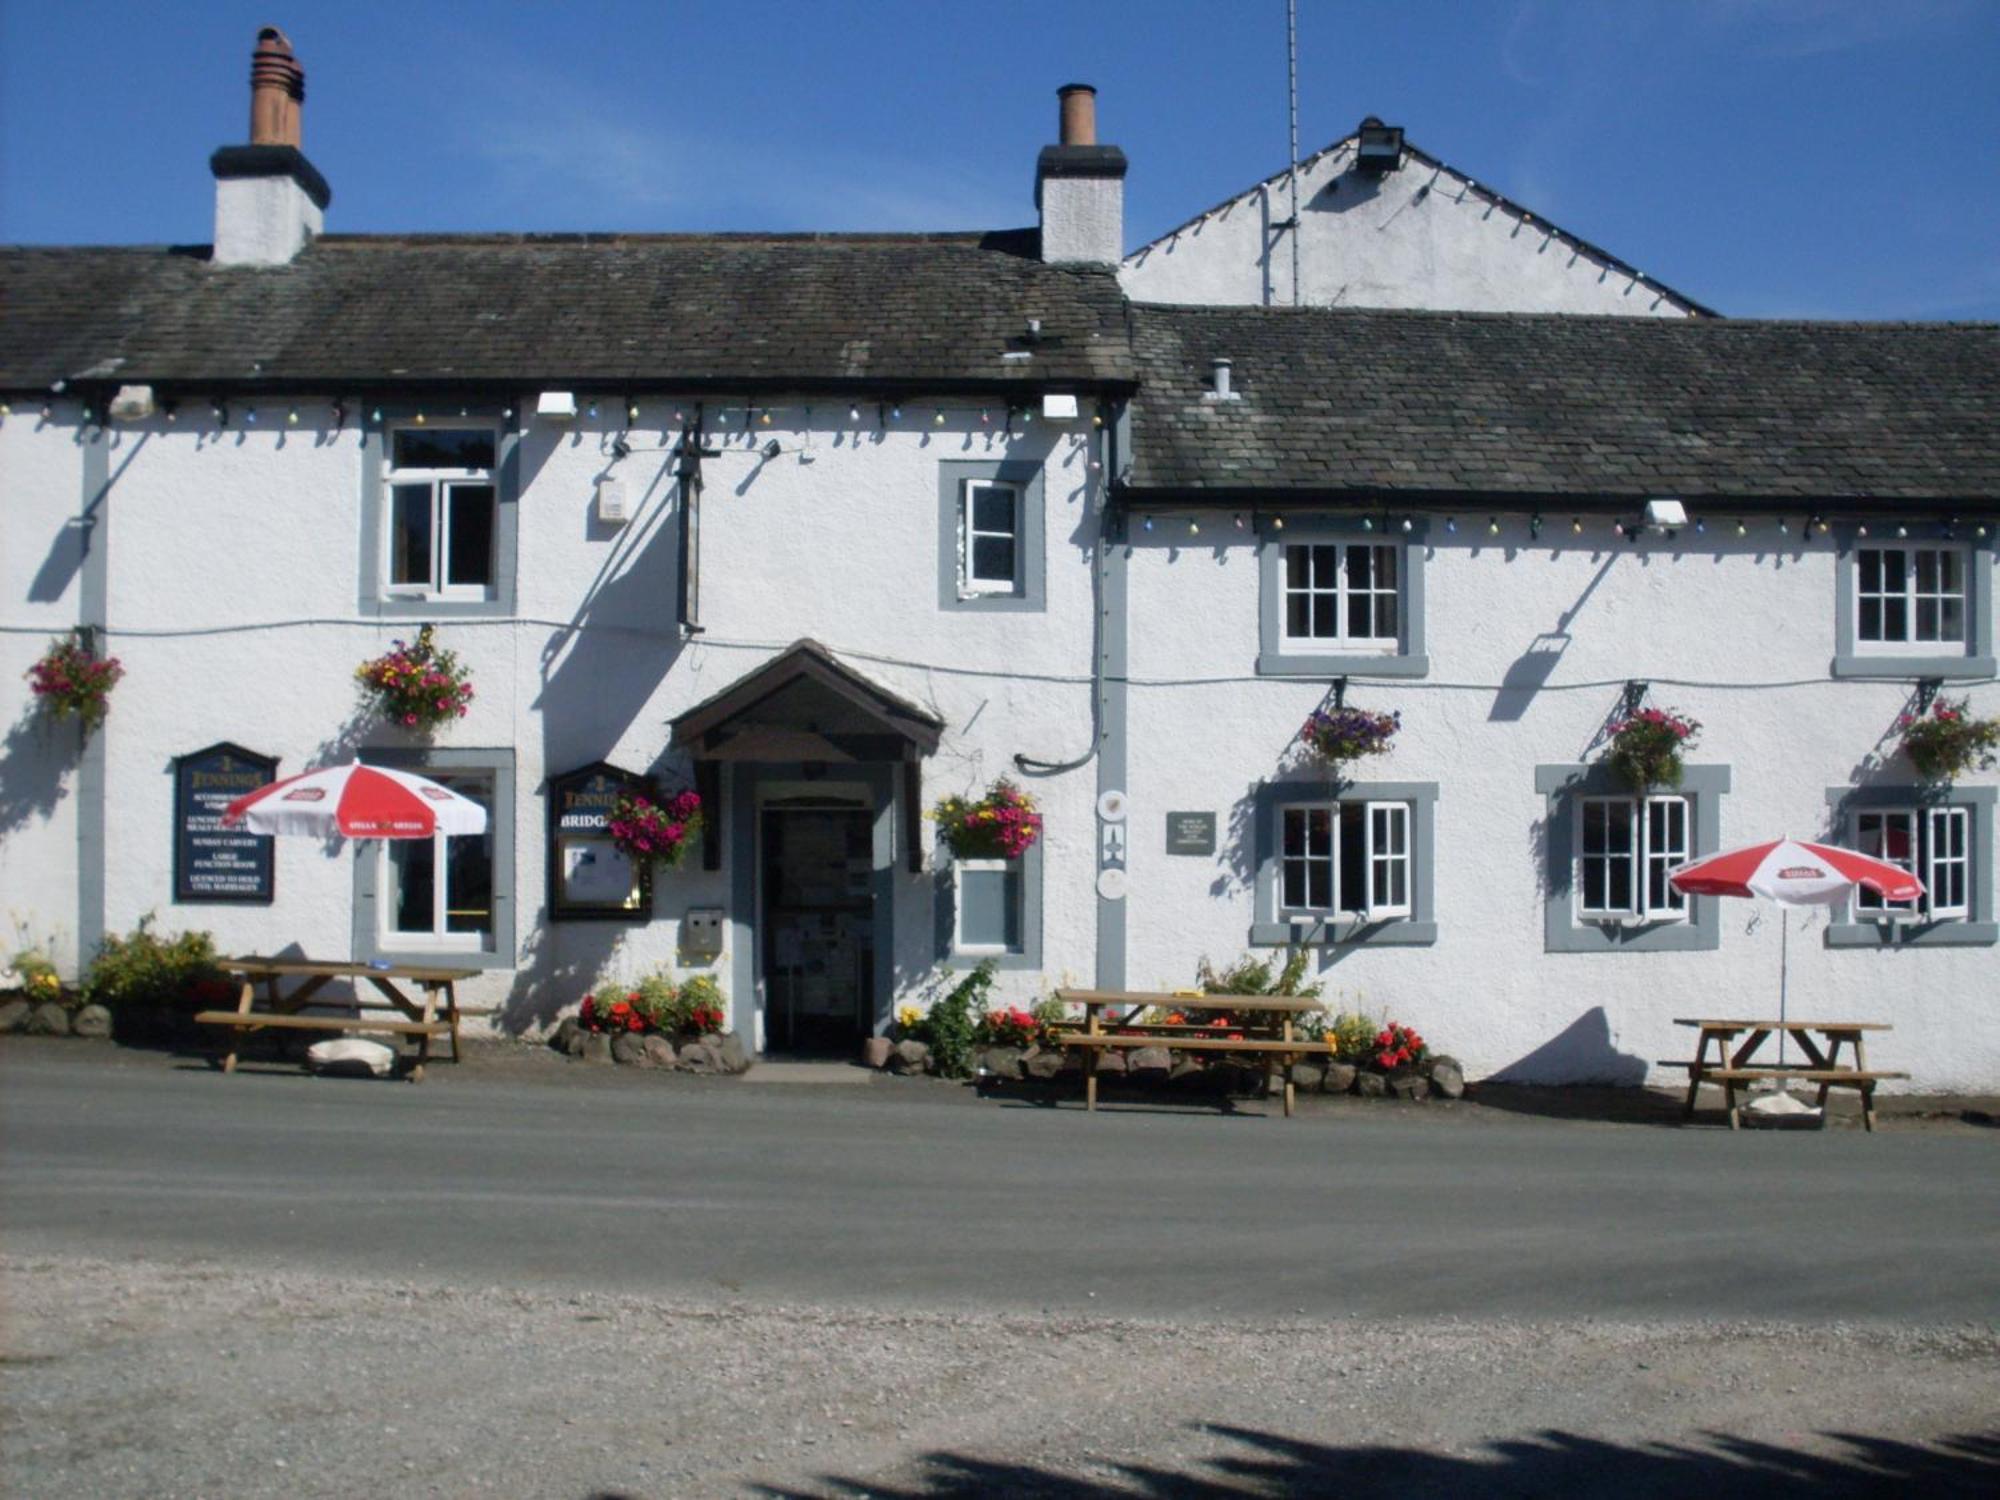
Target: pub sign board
[
  {"x": 213, "y": 863},
  {"x": 590, "y": 879}
]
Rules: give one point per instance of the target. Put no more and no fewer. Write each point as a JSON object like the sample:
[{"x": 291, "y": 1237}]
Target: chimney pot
[
  {"x": 277, "y": 88},
  {"x": 1078, "y": 124}
]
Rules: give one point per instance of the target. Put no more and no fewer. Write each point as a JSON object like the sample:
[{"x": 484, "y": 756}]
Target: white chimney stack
[
  {"x": 269, "y": 200},
  {"x": 1080, "y": 187}
]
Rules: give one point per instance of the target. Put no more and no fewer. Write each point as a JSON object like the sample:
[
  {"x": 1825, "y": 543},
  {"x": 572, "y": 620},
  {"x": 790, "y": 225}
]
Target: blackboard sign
[
  {"x": 213, "y": 863},
  {"x": 590, "y": 878},
  {"x": 1190, "y": 833}
]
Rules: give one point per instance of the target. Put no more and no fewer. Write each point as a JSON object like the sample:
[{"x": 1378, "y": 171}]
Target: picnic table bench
[
  {"x": 436, "y": 1016},
  {"x": 1739, "y": 1068},
  {"x": 1265, "y": 1024}
]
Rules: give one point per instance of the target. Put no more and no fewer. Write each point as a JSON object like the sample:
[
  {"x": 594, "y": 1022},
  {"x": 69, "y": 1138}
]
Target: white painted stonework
[
  {"x": 262, "y": 221},
  {"x": 1083, "y": 220},
  {"x": 836, "y": 539},
  {"x": 1421, "y": 236}
]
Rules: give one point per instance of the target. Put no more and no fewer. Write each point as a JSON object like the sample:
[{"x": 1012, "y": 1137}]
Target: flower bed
[
  {"x": 1646, "y": 748},
  {"x": 1949, "y": 741},
  {"x": 1004, "y": 824},
  {"x": 70, "y": 681},
  {"x": 658, "y": 1022},
  {"x": 419, "y": 685}
]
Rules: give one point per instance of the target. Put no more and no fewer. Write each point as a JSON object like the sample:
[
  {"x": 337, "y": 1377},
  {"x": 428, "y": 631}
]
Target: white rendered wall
[
  {"x": 1418, "y": 237},
  {"x": 234, "y": 581},
  {"x": 262, "y": 221},
  {"x": 41, "y": 568},
  {"x": 1751, "y": 624},
  {"x": 1083, "y": 219}
]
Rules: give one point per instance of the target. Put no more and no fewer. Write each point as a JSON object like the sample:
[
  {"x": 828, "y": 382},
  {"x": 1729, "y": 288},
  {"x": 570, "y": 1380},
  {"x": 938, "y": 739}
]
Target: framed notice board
[
  {"x": 213, "y": 863},
  {"x": 590, "y": 879}
]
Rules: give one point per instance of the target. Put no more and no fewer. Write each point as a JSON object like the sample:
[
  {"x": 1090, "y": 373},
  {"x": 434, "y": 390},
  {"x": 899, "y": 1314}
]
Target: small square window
[
  {"x": 1914, "y": 609},
  {"x": 988, "y": 896}
]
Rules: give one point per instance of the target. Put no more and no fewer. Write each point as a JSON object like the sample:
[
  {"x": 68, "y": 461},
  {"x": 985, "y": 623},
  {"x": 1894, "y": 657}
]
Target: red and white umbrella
[
  {"x": 361, "y": 802},
  {"x": 1794, "y": 874}
]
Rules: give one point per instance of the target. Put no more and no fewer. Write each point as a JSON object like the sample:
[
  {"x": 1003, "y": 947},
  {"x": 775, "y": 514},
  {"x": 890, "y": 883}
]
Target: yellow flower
[{"x": 908, "y": 1015}]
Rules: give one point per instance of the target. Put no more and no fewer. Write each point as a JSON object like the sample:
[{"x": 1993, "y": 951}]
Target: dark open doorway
[{"x": 819, "y": 931}]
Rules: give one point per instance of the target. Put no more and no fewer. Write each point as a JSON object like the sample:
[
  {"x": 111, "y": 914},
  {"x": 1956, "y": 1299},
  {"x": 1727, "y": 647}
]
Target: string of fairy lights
[
  {"x": 1948, "y": 528},
  {"x": 727, "y": 420}
]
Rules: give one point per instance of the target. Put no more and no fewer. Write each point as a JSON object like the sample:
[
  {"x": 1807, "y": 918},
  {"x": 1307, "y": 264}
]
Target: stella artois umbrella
[
  {"x": 1792, "y": 872},
  {"x": 360, "y": 802}
]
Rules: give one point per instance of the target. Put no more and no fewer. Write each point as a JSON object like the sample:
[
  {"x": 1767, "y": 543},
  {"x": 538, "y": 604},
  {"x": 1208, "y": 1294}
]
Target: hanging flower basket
[
  {"x": 69, "y": 680},
  {"x": 1948, "y": 741},
  {"x": 1338, "y": 735},
  {"x": 649, "y": 832},
  {"x": 1646, "y": 749},
  {"x": 1003, "y": 824},
  {"x": 420, "y": 685}
]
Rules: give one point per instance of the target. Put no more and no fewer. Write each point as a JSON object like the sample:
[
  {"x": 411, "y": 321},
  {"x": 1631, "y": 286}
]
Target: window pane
[
  {"x": 1298, "y": 614},
  {"x": 1319, "y": 825},
  {"x": 1385, "y": 616},
  {"x": 1360, "y": 615},
  {"x": 1895, "y": 571},
  {"x": 993, "y": 559},
  {"x": 1385, "y": 567},
  {"x": 1927, "y": 572},
  {"x": 1353, "y": 856},
  {"x": 1871, "y": 619},
  {"x": 1360, "y": 569},
  {"x": 1295, "y": 883},
  {"x": 412, "y": 870},
  {"x": 470, "y": 530},
  {"x": 1620, "y": 885},
  {"x": 1298, "y": 567},
  {"x": 1871, "y": 570},
  {"x": 1324, "y": 621},
  {"x": 468, "y": 860},
  {"x": 1895, "y": 618},
  {"x": 1295, "y": 832},
  {"x": 410, "y": 534},
  {"x": 1927, "y": 619},
  {"x": 443, "y": 448},
  {"x": 993, "y": 508},
  {"x": 989, "y": 913},
  {"x": 1951, "y": 618},
  {"x": 1325, "y": 565}
]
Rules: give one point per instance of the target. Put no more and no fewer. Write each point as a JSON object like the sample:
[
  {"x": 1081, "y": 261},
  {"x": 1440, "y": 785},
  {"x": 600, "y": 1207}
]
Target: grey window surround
[
  {"x": 1418, "y": 929},
  {"x": 1274, "y": 661},
  {"x": 1027, "y": 476},
  {"x": 1975, "y": 662},
  {"x": 368, "y": 938},
  {"x": 1562, "y": 930},
  {"x": 1029, "y": 955},
  {"x": 374, "y": 503},
  {"x": 1977, "y": 930}
]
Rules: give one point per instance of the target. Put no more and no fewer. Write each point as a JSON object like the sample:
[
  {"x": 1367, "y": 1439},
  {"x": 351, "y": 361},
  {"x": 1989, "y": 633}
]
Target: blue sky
[{"x": 1816, "y": 158}]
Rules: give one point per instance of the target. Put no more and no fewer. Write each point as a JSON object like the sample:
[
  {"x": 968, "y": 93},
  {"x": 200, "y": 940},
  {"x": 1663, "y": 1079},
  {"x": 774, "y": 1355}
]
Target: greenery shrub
[
  {"x": 153, "y": 985},
  {"x": 951, "y": 1024},
  {"x": 1253, "y": 976}
]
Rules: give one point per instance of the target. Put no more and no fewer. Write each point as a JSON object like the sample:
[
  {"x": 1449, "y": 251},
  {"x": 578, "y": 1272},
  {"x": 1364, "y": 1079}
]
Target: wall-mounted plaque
[
  {"x": 590, "y": 878},
  {"x": 1190, "y": 833},
  {"x": 213, "y": 863}
]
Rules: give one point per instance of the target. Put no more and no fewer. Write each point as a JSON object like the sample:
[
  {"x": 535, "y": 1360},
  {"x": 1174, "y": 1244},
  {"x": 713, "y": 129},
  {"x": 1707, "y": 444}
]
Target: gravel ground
[{"x": 142, "y": 1379}]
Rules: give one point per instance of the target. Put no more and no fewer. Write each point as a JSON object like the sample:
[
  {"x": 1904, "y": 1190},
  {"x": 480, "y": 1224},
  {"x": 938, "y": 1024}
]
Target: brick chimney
[
  {"x": 1080, "y": 187},
  {"x": 269, "y": 200}
]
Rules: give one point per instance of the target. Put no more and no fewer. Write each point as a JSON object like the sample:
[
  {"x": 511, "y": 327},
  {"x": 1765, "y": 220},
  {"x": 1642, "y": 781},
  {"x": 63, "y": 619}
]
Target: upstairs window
[
  {"x": 1914, "y": 608},
  {"x": 1336, "y": 598},
  {"x": 1342, "y": 595},
  {"x": 1910, "y": 596},
  {"x": 989, "y": 538},
  {"x": 441, "y": 516}
]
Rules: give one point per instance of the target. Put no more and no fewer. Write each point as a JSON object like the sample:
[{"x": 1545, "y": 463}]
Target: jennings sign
[
  {"x": 589, "y": 876},
  {"x": 213, "y": 863}
]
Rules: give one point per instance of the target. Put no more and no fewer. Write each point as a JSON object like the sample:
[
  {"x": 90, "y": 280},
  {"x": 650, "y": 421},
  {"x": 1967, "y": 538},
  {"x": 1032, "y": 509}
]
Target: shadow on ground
[{"x": 1549, "y": 1463}]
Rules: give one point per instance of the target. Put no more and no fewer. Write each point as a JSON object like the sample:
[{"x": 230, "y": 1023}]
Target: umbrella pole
[{"x": 1784, "y": 974}]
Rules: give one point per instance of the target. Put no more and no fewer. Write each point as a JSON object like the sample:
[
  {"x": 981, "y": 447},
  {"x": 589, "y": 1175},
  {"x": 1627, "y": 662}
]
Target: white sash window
[
  {"x": 1626, "y": 846},
  {"x": 1934, "y": 844},
  {"x": 1345, "y": 858},
  {"x": 1342, "y": 594}
]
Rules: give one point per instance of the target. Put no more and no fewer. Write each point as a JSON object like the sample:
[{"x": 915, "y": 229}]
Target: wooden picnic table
[
  {"x": 437, "y": 1015},
  {"x": 1739, "y": 1067},
  {"x": 1113, "y": 1019}
]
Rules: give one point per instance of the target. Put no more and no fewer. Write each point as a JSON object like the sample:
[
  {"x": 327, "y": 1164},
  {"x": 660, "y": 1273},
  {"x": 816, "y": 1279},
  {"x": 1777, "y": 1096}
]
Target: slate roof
[
  {"x": 727, "y": 310},
  {"x": 1353, "y": 403}
]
